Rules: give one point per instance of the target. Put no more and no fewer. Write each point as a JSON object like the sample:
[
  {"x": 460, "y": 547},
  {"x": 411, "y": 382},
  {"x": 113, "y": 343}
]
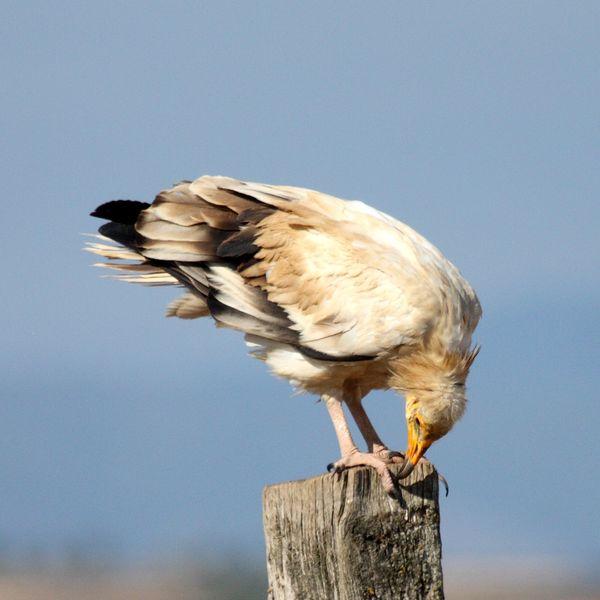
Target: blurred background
[{"x": 133, "y": 448}]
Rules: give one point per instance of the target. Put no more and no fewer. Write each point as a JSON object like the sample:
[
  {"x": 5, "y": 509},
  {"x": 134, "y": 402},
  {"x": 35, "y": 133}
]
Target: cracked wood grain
[{"x": 344, "y": 538}]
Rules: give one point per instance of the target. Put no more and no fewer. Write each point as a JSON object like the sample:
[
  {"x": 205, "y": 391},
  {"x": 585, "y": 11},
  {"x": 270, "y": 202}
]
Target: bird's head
[{"x": 435, "y": 392}]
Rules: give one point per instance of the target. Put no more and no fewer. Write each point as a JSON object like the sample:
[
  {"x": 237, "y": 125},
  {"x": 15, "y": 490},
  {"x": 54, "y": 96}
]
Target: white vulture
[{"x": 335, "y": 296}]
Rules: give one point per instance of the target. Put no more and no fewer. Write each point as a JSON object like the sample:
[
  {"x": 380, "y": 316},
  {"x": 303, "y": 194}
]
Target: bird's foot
[
  {"x": 389, "y": 457},
  {"x": 365, "y": 459}
]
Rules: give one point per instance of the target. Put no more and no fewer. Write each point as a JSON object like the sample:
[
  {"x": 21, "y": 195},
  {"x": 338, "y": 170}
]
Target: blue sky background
[{"x": 476, "y": 123}]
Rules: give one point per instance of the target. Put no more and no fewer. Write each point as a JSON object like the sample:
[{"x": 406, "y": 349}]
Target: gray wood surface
[{"x": 343, "y": 538}]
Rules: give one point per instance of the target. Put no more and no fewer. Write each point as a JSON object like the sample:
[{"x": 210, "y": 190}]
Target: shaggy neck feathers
[{"x": 434, "y": 386}]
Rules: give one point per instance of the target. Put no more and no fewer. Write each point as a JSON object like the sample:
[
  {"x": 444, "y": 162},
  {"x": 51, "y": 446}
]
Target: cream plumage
[{"x": 333, "y": 295}]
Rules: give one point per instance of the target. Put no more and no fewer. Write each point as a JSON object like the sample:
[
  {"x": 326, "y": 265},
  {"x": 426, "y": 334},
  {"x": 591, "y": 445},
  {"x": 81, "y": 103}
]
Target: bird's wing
[
  {"x": 348, "y": 280},
  {"x": 337, "y": 279}
]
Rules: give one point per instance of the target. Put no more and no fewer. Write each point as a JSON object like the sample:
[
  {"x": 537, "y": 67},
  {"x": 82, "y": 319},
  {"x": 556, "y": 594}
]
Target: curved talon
[
  {"x": 389, "y": 457},
  {"x": 406, "y": 470},
  {"x": 393, "y": 457},
  {"x": 395, "y": 494},
  {"x": 335, "y": 468},
  {"x": 445, "y": 482},
  {"x": 395, "y": 454}
]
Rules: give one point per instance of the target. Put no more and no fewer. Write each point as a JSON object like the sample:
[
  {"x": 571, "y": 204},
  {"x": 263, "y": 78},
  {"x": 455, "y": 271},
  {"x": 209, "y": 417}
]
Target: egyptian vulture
[{"x": 335, "y": 296}]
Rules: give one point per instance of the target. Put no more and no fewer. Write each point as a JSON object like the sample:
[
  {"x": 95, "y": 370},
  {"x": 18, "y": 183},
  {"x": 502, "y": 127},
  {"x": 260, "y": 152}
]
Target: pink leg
[
  {"x": 353, "y": 398},
  {"x": 351, "y": 457}
]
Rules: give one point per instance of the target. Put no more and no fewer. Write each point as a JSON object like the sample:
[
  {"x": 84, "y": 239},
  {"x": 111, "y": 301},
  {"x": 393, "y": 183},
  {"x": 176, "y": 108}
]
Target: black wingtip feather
[
  {"x": 120, "y": 233},
  {"x": 120, "y": 211}
]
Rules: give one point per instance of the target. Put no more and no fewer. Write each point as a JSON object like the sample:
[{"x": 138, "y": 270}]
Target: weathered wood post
[{"x": 343, "y": 538}]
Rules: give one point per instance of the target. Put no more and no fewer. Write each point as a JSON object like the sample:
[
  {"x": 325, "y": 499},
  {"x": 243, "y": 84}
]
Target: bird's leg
[
  {"x": 353, "y": 398},
  {"x": 351, "y": 457}
]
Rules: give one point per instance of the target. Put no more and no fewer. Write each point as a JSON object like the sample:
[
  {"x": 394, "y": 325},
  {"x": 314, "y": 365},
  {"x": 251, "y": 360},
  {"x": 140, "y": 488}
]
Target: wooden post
[{"x": 342, "y": 538}]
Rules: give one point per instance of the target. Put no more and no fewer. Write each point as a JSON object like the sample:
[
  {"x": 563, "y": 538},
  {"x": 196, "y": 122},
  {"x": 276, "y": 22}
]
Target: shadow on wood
[{"x": 343, "y": 538}]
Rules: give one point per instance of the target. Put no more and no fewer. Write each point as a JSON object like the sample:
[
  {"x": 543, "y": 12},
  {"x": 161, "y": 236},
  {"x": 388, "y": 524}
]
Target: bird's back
[{"x": 319, "y": 285}]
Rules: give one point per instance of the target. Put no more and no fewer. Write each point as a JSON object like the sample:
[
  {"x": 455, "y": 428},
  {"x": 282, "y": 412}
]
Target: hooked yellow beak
[{"x": 417, "y": 446}]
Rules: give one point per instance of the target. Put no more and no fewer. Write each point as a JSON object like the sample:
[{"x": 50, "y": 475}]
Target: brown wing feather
[{"x": 197, "y": 235}]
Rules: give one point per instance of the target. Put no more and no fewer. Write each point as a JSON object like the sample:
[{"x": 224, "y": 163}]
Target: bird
[{"x": 333, "y": 295}]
